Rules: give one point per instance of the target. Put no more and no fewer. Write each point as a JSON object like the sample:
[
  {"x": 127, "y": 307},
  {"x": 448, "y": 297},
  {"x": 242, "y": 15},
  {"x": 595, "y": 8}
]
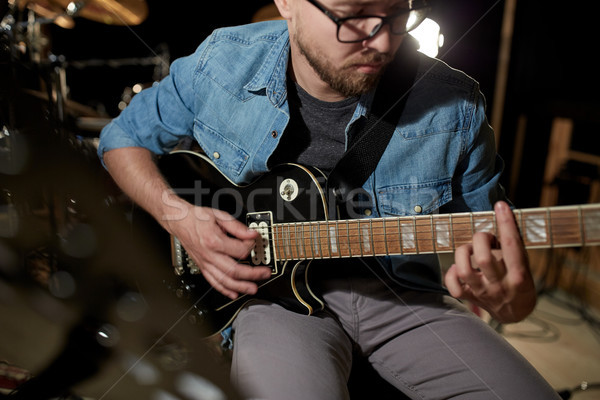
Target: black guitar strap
[{"x": 365, "y": 150}]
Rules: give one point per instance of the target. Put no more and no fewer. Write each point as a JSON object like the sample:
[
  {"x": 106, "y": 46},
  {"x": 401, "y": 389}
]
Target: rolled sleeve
[{"x": 158, "y": 117}]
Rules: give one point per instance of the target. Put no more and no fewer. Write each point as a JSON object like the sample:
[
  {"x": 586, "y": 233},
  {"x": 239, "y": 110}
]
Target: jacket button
[
  {"x": 274, "y": 134},
  {"x": 418, "y": 209},
  {"x": 216, "y": 155},
  {"x": 368, "y": 212}
]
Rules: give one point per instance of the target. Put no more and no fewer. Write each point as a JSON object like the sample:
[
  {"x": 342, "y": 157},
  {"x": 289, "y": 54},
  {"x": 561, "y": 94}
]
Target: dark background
[{"x": 551, "y": 68}]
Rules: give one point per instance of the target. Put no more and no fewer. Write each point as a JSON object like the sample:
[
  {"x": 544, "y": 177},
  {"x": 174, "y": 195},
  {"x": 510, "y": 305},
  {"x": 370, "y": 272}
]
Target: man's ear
[{"x": 284, "y": 7}]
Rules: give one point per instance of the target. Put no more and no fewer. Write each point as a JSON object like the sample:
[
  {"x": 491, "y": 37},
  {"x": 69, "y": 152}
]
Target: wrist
[{"x": 172, "y": 208}]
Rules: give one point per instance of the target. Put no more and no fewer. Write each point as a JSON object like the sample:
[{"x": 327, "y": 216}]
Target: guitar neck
[{"x": 563, "y": 226}]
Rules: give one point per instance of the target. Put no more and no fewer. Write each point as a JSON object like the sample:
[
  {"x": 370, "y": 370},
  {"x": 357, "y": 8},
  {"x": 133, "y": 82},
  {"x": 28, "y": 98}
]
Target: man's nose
[{"x": 382, "y": 41}]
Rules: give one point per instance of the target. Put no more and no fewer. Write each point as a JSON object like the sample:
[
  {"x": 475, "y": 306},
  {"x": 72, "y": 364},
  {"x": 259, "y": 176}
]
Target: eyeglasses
[{"x": 358, "y": 28}]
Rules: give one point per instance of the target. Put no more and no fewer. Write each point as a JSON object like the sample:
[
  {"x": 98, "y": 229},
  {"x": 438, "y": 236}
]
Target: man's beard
[{"x": 345, "y": 79}]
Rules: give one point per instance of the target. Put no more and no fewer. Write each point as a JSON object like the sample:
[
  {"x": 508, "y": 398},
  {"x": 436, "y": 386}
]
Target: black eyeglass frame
[{"x": 421, "y": 5}]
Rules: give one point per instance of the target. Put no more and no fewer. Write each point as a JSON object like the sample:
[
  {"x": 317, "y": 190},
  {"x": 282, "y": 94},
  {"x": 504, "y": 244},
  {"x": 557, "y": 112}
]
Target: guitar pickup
[{"x": 262, "y": 252}]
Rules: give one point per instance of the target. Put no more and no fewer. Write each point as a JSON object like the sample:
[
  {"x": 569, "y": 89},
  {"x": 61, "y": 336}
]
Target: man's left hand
[{"x": 493, "y": 273}]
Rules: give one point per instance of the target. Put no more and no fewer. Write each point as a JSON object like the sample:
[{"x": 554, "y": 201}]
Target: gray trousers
[{"x": 427, "y": 345}]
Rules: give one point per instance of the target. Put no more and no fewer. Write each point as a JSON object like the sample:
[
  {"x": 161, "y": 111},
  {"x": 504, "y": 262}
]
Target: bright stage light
[{"x": 429, "y": 37}]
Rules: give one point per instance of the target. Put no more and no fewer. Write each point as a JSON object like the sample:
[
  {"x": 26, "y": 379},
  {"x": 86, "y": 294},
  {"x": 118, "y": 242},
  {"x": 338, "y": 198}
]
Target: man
[{"x": 297, "y": 91}]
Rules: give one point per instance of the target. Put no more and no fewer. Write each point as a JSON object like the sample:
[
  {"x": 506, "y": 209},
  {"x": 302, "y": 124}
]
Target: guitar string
[
  {"x": 441, "y": 227},
  {"x": 345, "y": 241},
  {"x": 555, "y": 221}
]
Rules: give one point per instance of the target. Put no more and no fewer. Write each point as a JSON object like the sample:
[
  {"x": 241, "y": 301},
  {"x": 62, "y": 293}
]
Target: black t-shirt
[{"x": 315, "y": 135}]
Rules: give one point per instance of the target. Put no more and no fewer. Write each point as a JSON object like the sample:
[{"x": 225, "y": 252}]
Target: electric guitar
[{"x": 289, "y": 207}]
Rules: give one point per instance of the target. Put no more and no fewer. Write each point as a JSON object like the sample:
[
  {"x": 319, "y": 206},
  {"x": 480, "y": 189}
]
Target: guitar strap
[{"x": 367, "y": 145}]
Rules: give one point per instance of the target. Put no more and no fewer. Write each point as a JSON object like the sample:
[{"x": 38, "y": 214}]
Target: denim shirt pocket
[
  {"x": 229, "y": 158},
  {"x": 414, "y": 198}
]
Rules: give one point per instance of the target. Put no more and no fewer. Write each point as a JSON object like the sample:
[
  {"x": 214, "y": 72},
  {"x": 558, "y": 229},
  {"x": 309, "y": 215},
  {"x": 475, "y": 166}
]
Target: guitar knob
[{"x": 288, "y": 189}]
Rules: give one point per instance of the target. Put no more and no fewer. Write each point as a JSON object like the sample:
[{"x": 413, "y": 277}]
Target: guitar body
[{"x": 289, "y": 193}]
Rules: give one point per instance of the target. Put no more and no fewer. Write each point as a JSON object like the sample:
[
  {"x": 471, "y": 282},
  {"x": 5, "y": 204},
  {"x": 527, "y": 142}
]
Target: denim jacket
[{"x": 230, "y": 96}]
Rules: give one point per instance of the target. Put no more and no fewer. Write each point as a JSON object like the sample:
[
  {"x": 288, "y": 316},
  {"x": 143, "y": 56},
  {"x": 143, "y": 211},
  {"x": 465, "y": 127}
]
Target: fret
[
  {"x": 348, "y": 238},
  {"x": 360, "y": 239},
  {"x": 471, "y": 224},
  {"x": 564, "y": 231},
  {"x": 333, "y": 238},
  {"x": 288, "y": 250},
  {"x": 549, "y": 219},
  {"x": 461, "y": 229},
  {"x": 423, "y": 234},
  {"x": 433, "y": 247},
  {"x": 367, "y": 237},
  {"x": 379, "y": 240},
  {"x": 327, "y": 239},
  {"x": 281, "y": 242},
  {"x": 581, "y": 232},
  {"x": 591, "y": 224},
  {"x": 400, "y": 236},
  {"x": 452, "y": 233},
  {"x": 311, "y": 245},
  {"x": 371, "y": 236},
  {"x": 385, "y": 239},
  {"x": 483, "y": 222},
  {"x": 427, "y": 233},
  {"x": 314, "y": 228},
  {"x": 407, "y": 231},
  {"x": 295, "y": 248},
  {"x": 304, "y": 242},
  {"x": 299, "y": 252},
  {"x": 534, "y": 229},
  {"x": 390, "y": 232},
  {"x": 443, "y": 233},
  {"x": 354, "y": 238},
  {"x": 284, "y": 242},
  {"x": 416, "y": 236},
  {"x": 279, "y": 238},
  {"x": 323, "y": 233}
]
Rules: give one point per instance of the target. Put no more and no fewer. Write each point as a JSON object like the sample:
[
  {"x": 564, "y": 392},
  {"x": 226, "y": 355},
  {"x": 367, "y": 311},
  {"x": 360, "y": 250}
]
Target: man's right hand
[
  {"x": 217, "y": 242},
  {"x": 214, "y": 239}
]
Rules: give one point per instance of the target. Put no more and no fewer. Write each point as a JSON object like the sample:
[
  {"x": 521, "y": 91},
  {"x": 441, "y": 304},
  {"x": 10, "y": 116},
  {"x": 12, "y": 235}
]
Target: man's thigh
[
  {"x": 280, "y": 354},
  {"x": 445, "y": 352}
]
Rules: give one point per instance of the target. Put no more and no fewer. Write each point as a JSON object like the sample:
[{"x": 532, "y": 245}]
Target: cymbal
[
  {"x": 92, "y": 124},
  {"x": 49, "y": 11},
  {"x": 71, "y": 107},
  {"x": 110, "y": 12}
]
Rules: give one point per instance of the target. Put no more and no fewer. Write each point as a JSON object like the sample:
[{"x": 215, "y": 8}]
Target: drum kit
[
  {"x": 43, "y": 132},
  {"x": 65, "y": 236},
  {"x": 26, "y": 48}
]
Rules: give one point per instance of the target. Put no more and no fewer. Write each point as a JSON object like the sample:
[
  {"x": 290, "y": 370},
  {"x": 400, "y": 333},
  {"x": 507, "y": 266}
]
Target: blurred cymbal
[
  {"x": 92, "y": 124},
  {"x": 49, "y": 11},
  {"x": 71, "y": 107},
  {"x": 110, "y": 12}
]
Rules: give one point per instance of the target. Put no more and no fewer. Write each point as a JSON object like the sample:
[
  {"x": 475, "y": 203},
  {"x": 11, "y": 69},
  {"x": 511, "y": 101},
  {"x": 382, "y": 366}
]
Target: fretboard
[{"x": 563, "y": 226}]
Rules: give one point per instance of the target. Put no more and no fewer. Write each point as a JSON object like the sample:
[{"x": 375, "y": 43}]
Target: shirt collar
[{"x": 271, "y": 76}]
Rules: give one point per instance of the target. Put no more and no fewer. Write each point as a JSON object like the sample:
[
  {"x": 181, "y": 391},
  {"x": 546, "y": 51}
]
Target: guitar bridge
[{"x": 262, "y": 253}]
